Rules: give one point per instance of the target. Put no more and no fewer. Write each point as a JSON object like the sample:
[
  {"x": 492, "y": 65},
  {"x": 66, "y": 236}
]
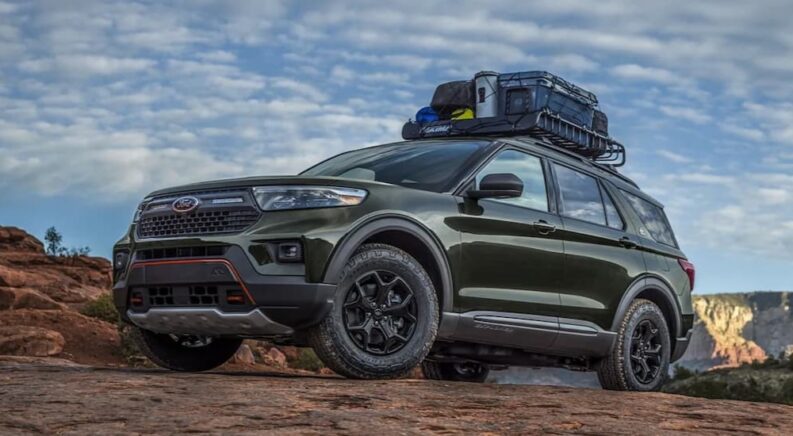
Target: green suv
[{"x": 458, "y": 255}]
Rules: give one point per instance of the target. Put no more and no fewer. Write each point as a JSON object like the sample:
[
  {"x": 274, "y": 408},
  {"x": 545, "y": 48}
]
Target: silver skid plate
[{"x": 207, "y": 322}]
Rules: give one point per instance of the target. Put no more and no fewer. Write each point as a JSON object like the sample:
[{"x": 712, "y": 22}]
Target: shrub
[
  {"x": 771, "y": 362},
  {"x": 306, "y": 359},
  {"x": 55, "y": 247},
  {"x": 129, "y": 349},
  {"x": 682, "y": 373},
  {"x": 102, "y": 308},
  {"x": 707, "y": 388},
  {"x": 787, "y": 391}
]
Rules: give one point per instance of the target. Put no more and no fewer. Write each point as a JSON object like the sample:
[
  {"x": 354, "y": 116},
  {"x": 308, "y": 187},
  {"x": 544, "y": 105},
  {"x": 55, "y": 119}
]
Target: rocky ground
[{"x": 63, "y": 398}]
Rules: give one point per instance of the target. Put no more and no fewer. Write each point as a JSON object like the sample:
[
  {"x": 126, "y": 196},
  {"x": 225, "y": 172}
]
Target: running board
[{"x": 535, "y": 333}]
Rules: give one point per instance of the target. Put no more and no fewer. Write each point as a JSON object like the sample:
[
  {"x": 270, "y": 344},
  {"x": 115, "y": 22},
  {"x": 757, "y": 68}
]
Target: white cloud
[
  {"x": 86, "y": 65},
  {"x": 672, "y": 156},
  {"x": 774, "y": 195},
  {"x": 341, "y": 73},
  {"x": 776, "y": 120},
  {"x": 743, "y": 132},
  {"x": 638, "y": 72},
  {"x": 572, "y": 62},
  {"x": 710, "y": 179},
  {"x": 218, "y": 56},
  {"x": 686, "y": 113}
]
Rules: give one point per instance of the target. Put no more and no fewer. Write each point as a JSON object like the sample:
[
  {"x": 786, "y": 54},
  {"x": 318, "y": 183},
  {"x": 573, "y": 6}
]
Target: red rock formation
[
  {"x": 39, "y": 300},
  {"x": 66, "y": 279}
]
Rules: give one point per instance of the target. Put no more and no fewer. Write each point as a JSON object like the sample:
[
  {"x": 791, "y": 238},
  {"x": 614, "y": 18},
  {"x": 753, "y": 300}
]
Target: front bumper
[{"x": 165, "y": 302}]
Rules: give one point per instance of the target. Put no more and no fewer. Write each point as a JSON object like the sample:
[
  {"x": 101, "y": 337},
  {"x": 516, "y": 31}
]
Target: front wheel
[
  {"x": 384, "y": 318},
  {"x": 185, "y": 353},
  {"x": 639, "y": 359},
  {"x": 453, "y": 371}
]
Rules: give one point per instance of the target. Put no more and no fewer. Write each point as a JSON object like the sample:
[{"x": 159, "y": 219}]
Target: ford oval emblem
[{"x": 185, "y": 204}]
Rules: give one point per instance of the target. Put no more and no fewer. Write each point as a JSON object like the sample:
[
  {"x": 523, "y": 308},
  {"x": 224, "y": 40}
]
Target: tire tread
[{"x": 324, "y": 338}]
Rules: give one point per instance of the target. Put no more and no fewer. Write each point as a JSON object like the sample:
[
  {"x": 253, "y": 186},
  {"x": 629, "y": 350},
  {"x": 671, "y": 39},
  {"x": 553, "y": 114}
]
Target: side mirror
[{"x": 498, "y": 186}]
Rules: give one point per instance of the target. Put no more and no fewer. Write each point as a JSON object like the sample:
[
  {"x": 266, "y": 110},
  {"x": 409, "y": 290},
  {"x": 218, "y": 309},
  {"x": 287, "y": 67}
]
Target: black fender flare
[
  {"x": 657, "y": 284},
  {"x": 363, "y": 231}
]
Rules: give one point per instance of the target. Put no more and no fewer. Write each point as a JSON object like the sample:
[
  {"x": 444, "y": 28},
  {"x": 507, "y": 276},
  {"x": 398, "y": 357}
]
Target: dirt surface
[{"x": 42, "y": 397}]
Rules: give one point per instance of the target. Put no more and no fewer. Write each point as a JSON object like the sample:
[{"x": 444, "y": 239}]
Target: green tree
[{"x": 54, "y": 239}]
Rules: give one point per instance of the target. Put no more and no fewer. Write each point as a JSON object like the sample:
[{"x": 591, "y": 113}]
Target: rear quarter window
[{"x": 653, "y": 218}]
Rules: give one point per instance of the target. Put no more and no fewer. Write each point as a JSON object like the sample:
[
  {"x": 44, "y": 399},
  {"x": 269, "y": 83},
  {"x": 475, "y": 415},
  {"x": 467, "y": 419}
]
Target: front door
[{"x": 512, "y": 256}]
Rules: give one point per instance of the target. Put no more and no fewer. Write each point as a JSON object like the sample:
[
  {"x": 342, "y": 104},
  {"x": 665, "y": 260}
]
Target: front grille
[
  {"x": 187, "y": 296},
  {"x": 231, "y": 220},
  {"x": 181, "y": 252},
  {"x": 203, "y": 295},
  {"x": 162, "y": 296}
]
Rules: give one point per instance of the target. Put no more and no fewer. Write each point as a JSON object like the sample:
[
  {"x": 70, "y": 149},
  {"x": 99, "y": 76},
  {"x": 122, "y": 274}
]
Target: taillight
[{"x": 691, "y": 272}]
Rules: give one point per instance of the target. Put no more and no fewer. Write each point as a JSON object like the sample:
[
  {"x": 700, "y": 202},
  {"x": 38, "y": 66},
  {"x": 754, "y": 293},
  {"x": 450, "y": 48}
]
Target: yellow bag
[{"x": 463, "y": 114}]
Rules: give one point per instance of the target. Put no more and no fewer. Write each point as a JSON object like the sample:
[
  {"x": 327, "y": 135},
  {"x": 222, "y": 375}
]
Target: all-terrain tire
[
  {"x": 336, "y": 347},
  {"x": 166, "y": 352},
  {"x": 449, "y": 371},
  {"x": 617, "y": 371}
]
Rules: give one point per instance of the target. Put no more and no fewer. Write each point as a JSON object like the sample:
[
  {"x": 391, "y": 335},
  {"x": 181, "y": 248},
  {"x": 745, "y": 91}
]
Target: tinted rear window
[
  {"x": 427, "y": 165},
  {"x": 653, "y": 218},
  {"x": 580, "y": 196}
]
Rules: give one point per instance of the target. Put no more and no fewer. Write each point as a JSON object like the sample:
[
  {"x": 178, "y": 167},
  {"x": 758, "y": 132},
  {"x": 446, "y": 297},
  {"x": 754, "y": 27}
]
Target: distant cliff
[{"x": 735, "y": 328}]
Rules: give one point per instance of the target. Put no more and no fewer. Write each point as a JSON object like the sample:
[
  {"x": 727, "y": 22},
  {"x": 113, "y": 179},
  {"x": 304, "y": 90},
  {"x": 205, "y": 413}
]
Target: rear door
[
  {"x": 601, "y": 257},
  {"x": 512, "y": 254}
]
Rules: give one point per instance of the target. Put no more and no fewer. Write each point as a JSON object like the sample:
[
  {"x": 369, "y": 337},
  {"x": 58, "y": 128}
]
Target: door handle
[
  {"x": 628, "y": 243},
  {"x": 543, "y": 227}
]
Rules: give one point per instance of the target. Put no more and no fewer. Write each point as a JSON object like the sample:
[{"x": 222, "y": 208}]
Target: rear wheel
[
  {"x": 639, "y": 360},
  {"x": 453, "y": 371},
  {"x": 384, "y": 319},
  {"x": 185, "y": 353}
]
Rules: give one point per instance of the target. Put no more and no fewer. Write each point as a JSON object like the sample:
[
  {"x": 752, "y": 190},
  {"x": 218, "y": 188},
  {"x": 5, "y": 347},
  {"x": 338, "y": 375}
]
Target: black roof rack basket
[{"x": 541, "y": 124}]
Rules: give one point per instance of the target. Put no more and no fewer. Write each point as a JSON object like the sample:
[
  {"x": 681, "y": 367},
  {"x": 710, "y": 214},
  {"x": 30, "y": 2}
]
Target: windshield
[{"x": 427, "y": 165}]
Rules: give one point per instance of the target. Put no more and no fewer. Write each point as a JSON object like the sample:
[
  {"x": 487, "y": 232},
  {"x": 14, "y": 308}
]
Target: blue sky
[{"x": 102, "y": 102}]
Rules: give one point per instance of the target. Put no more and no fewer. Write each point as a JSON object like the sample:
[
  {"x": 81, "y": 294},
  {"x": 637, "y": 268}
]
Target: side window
[
  {"x": 612, "y": 215},
  {"x": 529, "y": 169},
  {"x": 653, "y": 218},
  {"x": 580, "y": 196}
]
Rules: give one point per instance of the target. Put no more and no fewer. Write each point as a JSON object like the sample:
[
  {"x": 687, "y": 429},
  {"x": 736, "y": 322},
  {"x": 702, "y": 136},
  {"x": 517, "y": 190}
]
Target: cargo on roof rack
[{"x": 535, "y": 103}]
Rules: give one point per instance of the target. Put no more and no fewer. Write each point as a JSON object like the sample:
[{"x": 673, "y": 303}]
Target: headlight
[{"x": 306, "y": 197}]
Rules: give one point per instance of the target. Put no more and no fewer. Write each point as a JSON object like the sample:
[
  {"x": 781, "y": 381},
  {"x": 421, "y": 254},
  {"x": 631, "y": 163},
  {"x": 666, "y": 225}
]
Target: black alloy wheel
[
  {"x": 384, "y": 318},
  {"x": 645, "y": 352},
  {"x": 380, "y": 312},
  {"x": 639, "y": 358}
]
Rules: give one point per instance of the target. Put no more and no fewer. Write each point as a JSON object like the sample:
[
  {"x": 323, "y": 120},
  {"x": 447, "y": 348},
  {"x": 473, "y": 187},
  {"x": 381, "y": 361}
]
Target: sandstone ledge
[{"x": 57, "y": 399}]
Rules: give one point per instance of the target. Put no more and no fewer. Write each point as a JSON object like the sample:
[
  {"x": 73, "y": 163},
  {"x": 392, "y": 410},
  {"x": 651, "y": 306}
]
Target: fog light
[
  {"x": 235, "y": 297},
  {"x": 136, "y": 299},
  {"x": 290, "y": 252}
]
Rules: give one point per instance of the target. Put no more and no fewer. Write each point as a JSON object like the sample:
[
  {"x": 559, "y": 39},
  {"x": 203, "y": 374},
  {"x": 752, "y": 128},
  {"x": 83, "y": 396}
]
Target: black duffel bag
[{"x": 451, "y": 96}]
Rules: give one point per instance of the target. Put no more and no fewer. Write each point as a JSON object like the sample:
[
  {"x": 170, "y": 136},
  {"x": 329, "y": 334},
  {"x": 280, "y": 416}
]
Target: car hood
[{"x": 246, "y": 182}]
